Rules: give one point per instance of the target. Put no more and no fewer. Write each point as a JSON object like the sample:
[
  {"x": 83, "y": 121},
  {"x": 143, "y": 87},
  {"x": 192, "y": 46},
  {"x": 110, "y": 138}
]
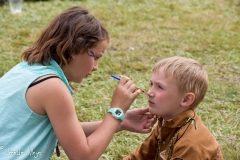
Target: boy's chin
[{"x": 153, "y": 111}]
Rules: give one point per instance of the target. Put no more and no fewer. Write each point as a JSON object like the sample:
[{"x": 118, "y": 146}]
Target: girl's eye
[{"x": 150, "y": 84}]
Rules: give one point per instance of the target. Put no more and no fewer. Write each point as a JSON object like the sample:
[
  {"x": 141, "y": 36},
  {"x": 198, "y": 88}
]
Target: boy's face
[{"x": 164, "y": 97}]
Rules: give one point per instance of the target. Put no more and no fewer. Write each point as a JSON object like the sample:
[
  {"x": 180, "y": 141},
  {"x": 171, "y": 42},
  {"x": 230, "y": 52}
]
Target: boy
[{"x": 177, "y": 86}]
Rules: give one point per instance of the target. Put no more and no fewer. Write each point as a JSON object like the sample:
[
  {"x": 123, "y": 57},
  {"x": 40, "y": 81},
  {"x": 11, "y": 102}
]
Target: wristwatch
[{"x": 117, "y": 113}]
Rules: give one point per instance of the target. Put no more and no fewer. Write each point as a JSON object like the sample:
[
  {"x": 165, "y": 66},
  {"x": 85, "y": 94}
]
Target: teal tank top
[{"x": 25, "y": 135}]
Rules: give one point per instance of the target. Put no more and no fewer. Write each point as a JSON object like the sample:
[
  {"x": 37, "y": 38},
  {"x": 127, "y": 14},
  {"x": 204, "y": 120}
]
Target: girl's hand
[
  {"x": 125, "y": 93},
  {"x": 138, "y": 120}
]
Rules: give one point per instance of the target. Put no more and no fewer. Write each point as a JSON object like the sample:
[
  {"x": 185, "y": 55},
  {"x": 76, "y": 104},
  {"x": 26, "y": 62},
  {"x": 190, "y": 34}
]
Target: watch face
[{"x": 118, "y": 112}]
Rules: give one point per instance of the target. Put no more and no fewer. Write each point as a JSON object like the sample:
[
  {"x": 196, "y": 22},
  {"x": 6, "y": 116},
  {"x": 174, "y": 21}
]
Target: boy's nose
[{"x": 150, "y": 92}]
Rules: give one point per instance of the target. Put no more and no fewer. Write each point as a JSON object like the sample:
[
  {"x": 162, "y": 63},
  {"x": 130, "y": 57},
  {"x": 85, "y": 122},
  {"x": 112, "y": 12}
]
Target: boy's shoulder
[
  {"x": 197, "y": 138},
  {"x": 194, "y": 128},
  {"x": 198, "y": 128},
  {"x": 191, "y": 128}
]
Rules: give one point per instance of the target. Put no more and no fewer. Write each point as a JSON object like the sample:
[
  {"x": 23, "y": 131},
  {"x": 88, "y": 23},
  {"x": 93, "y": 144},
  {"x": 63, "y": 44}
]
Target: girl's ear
[
  {"x": 188, "y": 99},
  {"x": 73, "y": 56}
]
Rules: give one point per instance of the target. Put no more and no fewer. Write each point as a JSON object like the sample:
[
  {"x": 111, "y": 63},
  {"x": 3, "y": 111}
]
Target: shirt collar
[{"x": 178, "y": 120}]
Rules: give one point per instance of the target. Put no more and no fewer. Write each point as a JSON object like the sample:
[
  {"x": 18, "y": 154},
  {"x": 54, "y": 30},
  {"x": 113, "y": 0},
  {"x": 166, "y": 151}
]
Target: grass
[{"x": 143, "y": 32}]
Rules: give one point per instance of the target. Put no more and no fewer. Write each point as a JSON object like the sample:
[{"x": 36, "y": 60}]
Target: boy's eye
[
  {"x": 160, "y": 87},
  {"x": 150, "y": 84}
]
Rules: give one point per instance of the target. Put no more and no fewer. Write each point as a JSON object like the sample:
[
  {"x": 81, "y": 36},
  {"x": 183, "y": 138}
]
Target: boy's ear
[{"x": 188, "y": 99}]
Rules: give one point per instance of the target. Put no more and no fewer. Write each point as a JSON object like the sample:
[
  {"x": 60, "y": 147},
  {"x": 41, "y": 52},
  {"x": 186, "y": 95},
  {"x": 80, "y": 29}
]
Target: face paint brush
[{"x": 118, "y": 79}]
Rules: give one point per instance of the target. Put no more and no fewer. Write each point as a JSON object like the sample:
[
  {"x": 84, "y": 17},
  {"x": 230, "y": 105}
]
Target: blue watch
[{"x": 117, "y": 113}]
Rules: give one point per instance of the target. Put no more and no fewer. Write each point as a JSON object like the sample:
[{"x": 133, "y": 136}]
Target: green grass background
[{"x": 143, "y": 32}]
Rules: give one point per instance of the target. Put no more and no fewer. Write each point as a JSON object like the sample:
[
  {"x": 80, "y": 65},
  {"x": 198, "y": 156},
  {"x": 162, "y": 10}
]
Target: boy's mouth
[{"x": 150, "y": 102}]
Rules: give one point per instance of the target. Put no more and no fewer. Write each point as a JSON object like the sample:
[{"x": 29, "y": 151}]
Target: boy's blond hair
[{"x": 187, "y": 73}]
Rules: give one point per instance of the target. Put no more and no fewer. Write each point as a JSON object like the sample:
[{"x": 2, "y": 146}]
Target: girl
[{"x": 36, "y": 106}]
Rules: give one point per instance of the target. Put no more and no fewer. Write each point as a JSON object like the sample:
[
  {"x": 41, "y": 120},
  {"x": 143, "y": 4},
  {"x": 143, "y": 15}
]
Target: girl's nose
[{"x": 95, "y": 67}]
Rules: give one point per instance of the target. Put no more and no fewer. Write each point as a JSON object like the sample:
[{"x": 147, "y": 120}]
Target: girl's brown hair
[{"x": 74, "y": 31}]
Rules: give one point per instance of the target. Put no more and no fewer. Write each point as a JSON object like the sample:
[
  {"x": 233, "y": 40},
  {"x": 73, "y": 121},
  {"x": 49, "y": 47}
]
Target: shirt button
[{"x": 163, "y": 142}]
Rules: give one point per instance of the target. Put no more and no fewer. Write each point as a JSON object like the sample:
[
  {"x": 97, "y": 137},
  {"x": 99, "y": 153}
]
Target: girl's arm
[
  {"x": 136, "y": 120},
  {"x": 55, "y": 99},
  {"x": 90, "y": 127}
]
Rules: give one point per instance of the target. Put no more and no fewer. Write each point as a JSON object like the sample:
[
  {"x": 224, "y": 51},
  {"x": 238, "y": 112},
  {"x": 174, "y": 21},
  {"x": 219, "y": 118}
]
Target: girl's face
[
  {"x": 164, "y": 97},
  {"x": 82, "y": 65}
]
